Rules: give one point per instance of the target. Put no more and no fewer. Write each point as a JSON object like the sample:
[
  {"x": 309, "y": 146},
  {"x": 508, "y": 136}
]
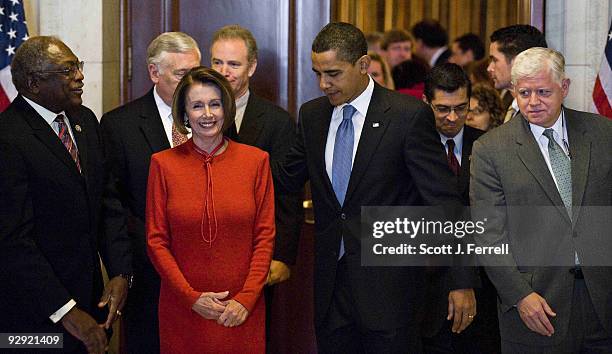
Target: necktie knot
[
  {"x": 451, "y": 145},
  {"x": 64, "y": 136},
  {"x": 348, "y": 111},
  {"x": 549, "y": 134}
]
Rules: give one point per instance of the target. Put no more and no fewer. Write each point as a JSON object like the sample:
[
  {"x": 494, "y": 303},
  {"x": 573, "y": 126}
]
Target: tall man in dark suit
[
  {"x": 362, "y": 145},
  {"x": 133, "y": 133},
  {"x": 506, "y": 44},
  {"x": 431, "y": 42},
  {"x": 447, "y": 91},
  {"x": 262, "y": 124},
  {"x": 553, "y": 296},
  {"x": 52, "y": 180}
]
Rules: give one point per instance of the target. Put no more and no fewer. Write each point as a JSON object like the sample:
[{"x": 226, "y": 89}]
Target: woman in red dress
[{"x": 210, "y": 226}]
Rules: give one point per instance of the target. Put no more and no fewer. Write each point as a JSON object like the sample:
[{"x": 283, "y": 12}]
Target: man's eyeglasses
[
  {"x": 69, "y": 71},
  {"x": 459, "y": 110}
]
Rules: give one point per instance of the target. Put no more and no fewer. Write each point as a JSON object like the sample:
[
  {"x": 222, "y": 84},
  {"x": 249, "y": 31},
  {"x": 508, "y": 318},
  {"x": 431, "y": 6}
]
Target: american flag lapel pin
[{"x": 375, "y": 125}]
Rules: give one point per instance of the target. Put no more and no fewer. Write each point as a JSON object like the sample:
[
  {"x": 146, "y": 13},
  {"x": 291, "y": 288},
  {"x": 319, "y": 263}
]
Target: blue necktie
[{"x": 343, "y": 159}]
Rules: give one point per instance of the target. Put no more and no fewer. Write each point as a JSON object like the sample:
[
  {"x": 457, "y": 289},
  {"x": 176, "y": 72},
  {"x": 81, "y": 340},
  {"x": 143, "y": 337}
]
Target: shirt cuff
[{"x": 62, "y": 311}]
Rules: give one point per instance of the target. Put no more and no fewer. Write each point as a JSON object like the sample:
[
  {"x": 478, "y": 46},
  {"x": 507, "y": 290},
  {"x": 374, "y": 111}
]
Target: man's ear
[
  {"x": 364, "y": 64},
  {"x": 154, "y": 73},
  {"x": 252, "y": 67},
  {"x": 424, "y": 99},
  {"x": 565, "y": 84}
]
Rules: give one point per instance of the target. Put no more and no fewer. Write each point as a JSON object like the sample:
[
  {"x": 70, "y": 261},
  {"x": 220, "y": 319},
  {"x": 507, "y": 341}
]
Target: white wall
[
  {"x": 80, "y": 24},
  {"x": 579, "y": 29}
]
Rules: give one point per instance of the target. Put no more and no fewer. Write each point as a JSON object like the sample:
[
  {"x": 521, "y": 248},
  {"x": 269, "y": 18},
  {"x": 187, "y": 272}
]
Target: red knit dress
[{"x": 236, "y": 260}]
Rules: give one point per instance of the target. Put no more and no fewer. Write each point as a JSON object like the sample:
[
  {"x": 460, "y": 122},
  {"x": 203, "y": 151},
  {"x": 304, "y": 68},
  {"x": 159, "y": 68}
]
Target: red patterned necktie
[
  {"x": 451, "y": 158},
  {"x": 64, "y": 136},
  {"x": 177, "y": 137}
]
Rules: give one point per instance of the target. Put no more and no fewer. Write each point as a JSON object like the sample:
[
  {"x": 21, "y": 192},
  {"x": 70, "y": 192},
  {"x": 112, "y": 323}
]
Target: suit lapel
[
  {"x": 152, "y": 127},
  {"x": 252, "y": 122},
  {"x": 319, "y": 126},
  {"x": 529, "y": 152},
  {"x": 46, "y": 135},
  {"x": 580, "y": 147},
  {"x": 374, "y": 127}
]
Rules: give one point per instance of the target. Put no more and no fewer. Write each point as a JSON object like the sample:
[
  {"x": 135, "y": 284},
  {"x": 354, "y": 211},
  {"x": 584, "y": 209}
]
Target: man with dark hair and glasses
[
  {"x": 52, "y": 186},
  {"x": 133, "y": 133},
  {"x": 447, "y": 91}
]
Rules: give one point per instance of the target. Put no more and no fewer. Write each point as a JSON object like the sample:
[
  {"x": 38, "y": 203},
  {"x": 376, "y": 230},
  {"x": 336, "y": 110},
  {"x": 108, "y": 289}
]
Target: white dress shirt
[
  {"x": 458, "y": 139},
  {"x": 361, "y": 104},
  {"x": 560, "y": 135},
  {"x": 241, "y": 104}
]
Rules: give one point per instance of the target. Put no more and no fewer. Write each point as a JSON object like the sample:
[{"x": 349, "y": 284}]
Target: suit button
[
  {"x": 343, "y": 216},
  {"x": 574, "y": 234}
]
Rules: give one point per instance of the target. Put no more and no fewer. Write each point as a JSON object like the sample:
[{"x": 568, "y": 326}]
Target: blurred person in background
[
  {"x": 397, "y": 46},
  {"x": 486, "y": 110},
  {"x": 379, "y": 71},
  {"x": 478, "y": 74},
  {"x": 374, "y": 40},
  {"x": 430, "y": 42},
  {"x": 467, "y": 49},
  {"x": 409, "y": 77}
]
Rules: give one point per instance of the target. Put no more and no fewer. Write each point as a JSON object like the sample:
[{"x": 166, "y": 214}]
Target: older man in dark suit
[
  {"x": 52, "y": 180},
  {"x": 362, "y": 145},
  {"x": 544, "y": 177},
  {"x": 133, "y": 133}
]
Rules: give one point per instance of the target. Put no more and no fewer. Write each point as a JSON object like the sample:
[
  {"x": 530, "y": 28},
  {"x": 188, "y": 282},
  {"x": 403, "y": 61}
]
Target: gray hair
[
  {"x": 534, "y": 60},
  {"x": 31, "y": 57},
  {"x": 170, "y": 42}
]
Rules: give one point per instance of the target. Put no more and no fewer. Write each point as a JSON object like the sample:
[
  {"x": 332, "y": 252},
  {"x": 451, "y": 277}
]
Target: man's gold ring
[
  {"x": 118, "y": 313},
  {"x": 470, "y": 316}
]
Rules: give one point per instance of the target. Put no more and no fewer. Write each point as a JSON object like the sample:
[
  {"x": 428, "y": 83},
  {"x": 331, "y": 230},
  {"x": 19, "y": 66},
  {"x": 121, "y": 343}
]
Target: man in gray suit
[{"x": 527, "y": 163}]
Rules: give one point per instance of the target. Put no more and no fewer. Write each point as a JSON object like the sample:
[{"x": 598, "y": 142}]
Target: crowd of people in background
[{"x": 191, "y": 195}]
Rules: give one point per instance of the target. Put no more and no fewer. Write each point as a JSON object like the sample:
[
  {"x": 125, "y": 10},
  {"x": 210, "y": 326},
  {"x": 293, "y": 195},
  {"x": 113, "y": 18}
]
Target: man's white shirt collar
[{"x": 47, "y": 115}]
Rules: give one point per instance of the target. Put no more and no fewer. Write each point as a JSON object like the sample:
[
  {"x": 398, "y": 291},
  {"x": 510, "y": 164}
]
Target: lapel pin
[
  {"x": 77, "y": 128},
  {"x": 375, "y": 125}
]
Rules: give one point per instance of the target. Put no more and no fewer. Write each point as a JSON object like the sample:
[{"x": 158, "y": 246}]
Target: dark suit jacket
[
  {"x": 439, "y": 284},
  {"x": 399, "y": 161},
  {"x": 443, "y": 58},
  {"x": 133, "y": 133},
  {"x": 49, "y": 217},
  {"x": 272, "y": 129},
  {"x": 508, "y": 169}
]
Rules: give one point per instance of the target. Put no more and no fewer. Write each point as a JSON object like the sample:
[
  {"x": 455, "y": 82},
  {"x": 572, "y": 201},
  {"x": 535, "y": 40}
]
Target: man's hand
[
  {"x": 461, "y": 308},
  {"x": 534, "y": 312},
  {"x": 234, "y": 315},
  {"x": 114, "y": 295},
  {"x": 84, "y": 328},
  {"x": 279, "y": 272},
  {"x": 209, "y": 305}
]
